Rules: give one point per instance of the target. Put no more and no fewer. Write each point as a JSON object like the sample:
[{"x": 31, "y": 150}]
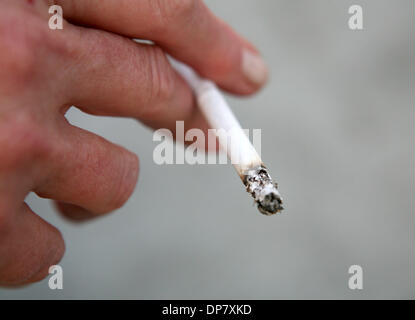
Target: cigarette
[{"x": 244, "y": 157}]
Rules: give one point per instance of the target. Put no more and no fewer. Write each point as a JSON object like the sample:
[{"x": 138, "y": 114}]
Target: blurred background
[{"x": 337, "y": 120}]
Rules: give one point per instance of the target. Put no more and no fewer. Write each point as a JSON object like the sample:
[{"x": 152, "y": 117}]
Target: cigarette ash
[{"x": 259, "y": 184}]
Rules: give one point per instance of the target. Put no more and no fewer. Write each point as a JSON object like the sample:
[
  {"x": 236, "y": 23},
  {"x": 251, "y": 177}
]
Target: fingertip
[
  {"x": 57, "y": 254},
  {"x": 128, "y": 180},
  {"x": 254, "y": 68},
  {"x": 72, "y": 212},
  {"x": 236, "y": 66},
  {"x": 248, "y": 73},
  {"x": 122, "y": 191}
]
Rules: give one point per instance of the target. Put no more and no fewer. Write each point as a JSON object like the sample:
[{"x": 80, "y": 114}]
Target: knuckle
[
  {"x": 21, "y": 141},
  {"x": 161, "y": 80},
  {"x": 161, "y": 83},
  {"x": 21, "y": 35},
  {"x": 18, "y": 63}
]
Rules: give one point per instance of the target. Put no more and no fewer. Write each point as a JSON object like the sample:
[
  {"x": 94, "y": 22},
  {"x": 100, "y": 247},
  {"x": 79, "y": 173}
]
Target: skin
[{"x": 93, "y": 64}]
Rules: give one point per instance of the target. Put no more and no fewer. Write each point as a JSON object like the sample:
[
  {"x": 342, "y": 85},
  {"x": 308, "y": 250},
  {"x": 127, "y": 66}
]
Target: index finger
[{"x": 186, "y": 29}]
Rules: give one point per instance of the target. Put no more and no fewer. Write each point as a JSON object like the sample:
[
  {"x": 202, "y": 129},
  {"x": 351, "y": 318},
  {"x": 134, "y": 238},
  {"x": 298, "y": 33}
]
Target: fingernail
[{"x": 254, "y": 67}]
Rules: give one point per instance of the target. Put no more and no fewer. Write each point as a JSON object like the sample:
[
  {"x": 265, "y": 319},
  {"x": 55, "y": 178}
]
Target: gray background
[{"x": 337, "y": 122}]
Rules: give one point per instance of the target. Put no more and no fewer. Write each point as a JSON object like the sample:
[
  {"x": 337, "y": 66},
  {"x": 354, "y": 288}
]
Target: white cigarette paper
[{"x": 246, "y": 160}]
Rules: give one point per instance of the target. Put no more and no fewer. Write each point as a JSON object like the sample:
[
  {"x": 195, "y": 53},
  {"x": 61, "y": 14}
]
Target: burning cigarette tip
[
  {"x": 265, "y": 192},
  {"x": 253, "y": 173}
]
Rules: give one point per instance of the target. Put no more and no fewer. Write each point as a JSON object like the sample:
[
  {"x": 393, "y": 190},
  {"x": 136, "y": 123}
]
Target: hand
[{"x": 100, "y": 70}]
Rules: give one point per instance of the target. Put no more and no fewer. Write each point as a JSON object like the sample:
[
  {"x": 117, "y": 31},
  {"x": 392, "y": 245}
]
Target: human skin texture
[{"x": 93, "y": 64}]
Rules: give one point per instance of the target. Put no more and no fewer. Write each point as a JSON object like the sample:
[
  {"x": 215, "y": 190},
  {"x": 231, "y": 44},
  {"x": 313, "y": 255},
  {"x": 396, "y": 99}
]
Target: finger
[
  {"x": 115, "y": 76},
  {"x": 186, "y": 29},
  {"x": 73, "y": 212},
  {"x": 86, "y": 170},
  {"x": 28, "y": 246}
]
